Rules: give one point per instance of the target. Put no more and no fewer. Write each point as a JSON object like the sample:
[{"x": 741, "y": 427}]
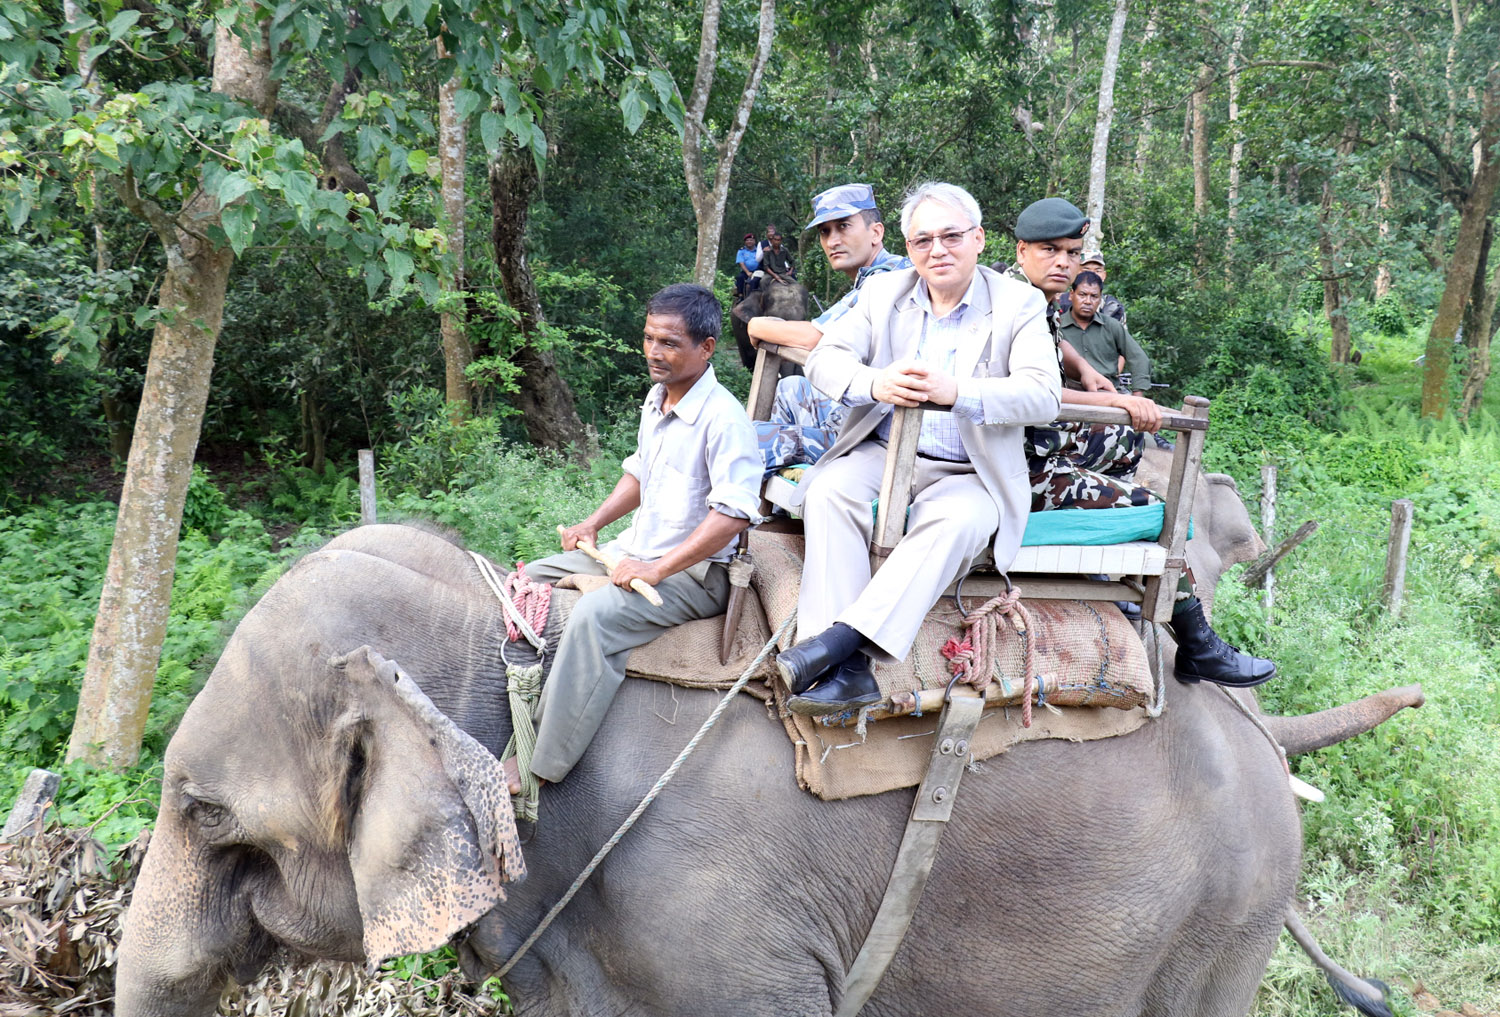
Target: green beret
[{"x": 1051, "y": 219}]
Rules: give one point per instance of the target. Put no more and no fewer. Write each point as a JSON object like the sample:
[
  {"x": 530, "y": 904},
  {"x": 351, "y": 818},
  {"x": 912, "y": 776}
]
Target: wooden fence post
[
  {"x": 1395, "y": 556},
  {"x": 1267, "y": 531},
  {"x": 366, "y": 486}
]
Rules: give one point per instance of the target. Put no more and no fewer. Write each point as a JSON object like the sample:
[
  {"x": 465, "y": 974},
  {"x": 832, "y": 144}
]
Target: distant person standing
[
  {"x": 1101, "y": 340},
  {"x": 1109, "y": 306},
  {"x": 746, "y": 262}
]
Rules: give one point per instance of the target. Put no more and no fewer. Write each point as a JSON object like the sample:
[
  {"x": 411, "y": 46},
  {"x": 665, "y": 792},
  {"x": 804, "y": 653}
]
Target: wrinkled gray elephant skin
[
  {"x": 774, "y": 299},
  {"x": 304, "y": 803}
]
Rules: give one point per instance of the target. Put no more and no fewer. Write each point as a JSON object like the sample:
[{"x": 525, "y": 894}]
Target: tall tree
[
  {"x": 209, "y": 174},
  {"x": 1103, "y": 121},
  {"x": 546, "y": 403},
  {"x": 453, "y": 148},
  {"x": 1458, "y": 282},
  {"x": 132, "y": 619},
  {"x": 1237, "y": 146},
  {"x": 708, "y": 179}
]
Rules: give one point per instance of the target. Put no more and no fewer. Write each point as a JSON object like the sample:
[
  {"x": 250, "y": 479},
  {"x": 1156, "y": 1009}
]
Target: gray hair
[{"x": 951, "y": 195}]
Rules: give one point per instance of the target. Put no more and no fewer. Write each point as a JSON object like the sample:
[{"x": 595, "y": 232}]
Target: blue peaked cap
[{"x": 841, "y": 202}]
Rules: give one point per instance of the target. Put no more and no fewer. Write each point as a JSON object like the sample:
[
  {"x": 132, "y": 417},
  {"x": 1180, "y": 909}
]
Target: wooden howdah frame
[{"x": 1147, "y": 571}]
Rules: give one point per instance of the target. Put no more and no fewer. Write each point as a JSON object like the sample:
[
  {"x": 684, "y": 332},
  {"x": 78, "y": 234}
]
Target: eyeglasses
[{"x": 948, "y": 240}]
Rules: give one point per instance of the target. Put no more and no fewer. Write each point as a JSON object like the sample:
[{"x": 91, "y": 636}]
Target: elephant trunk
[
  {"x": 173, "y": 962},
  {"x": 1329, "y": 727}
]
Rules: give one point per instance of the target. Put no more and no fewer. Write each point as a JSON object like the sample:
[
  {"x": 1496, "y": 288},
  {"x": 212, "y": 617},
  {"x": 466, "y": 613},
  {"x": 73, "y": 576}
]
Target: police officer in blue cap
[{"x": 852, "y": 234}]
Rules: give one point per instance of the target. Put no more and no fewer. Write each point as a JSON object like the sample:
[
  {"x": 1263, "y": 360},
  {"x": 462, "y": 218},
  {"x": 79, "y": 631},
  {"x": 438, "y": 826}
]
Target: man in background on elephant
[
  {"x": 776, "y": 261},
  {"x": 694, "y": 484},
  {"x": 851, "y": 232},
  {"x": 1109, "y": 305},
  {"x": 746, "y": 261},
  {"x": 947, "y": 333}
]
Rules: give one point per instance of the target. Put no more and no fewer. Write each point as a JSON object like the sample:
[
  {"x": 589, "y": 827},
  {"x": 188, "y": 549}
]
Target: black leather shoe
[
  {"x": 1203, "y": 656},
  {"x": 850, "y": 687},
  {"x": 813, "y": 658}
]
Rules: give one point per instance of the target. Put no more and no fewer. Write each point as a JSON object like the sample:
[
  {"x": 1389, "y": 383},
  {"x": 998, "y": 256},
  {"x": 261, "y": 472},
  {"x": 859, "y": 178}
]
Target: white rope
[{"x": 487, "y": 571}]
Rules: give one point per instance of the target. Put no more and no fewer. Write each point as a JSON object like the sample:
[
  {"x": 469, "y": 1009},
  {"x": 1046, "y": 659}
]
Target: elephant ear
[{"x": 433, "y": 837}]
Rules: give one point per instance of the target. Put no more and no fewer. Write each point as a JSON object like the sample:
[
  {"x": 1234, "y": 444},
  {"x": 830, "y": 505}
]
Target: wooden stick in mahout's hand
[{"x": 640, "y": 586}]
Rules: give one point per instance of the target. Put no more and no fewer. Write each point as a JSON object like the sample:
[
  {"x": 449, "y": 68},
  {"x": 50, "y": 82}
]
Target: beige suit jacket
[{"x": 1004, "y": 344}]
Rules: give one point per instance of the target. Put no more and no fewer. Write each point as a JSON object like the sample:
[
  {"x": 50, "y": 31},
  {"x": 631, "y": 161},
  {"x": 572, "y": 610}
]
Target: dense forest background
[{"x": 438, "y": 245}]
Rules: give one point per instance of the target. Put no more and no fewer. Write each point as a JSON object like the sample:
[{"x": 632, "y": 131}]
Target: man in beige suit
[{"x": 975, "y": 346}]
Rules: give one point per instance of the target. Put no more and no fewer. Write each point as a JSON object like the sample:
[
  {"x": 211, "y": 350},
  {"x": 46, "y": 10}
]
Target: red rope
[
  {"x": 973, "y": 657},
  {"x": 532, "y": 599}
]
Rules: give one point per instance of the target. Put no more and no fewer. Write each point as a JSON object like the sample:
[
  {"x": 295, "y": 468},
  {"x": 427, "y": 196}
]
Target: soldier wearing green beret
[{"x": 1076, "y": 465}]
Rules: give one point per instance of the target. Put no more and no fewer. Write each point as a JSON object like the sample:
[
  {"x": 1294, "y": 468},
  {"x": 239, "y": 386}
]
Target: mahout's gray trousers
[{"x": 605, "y": 626}]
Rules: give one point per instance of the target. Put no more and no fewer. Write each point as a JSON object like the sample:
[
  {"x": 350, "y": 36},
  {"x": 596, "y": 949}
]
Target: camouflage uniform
[
  {"x": 803, "y": 421},
  {"x": 803, "y": 424},
  {"x": 1078, "y": 465}
]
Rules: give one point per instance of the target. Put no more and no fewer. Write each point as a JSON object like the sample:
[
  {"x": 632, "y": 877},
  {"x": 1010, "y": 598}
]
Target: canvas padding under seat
[{"x": 1092, "y": 664}]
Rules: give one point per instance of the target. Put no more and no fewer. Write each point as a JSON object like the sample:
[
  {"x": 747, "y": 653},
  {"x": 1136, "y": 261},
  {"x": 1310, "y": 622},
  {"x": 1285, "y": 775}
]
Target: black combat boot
[
  {"x": 813, "y": 658},
  {"x": 851, "y": 687},
  {"x": 1203, "y": 656}
]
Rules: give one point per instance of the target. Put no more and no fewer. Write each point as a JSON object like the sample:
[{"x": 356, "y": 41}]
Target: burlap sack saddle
[{"x": 1091, "y": 678}]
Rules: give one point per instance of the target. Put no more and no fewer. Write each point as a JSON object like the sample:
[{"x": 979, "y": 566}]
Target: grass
[{"x": 1401, "y": 874}]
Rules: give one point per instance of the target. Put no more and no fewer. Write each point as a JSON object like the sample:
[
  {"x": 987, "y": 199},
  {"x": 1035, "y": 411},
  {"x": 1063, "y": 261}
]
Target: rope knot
[
  {"x": 973, "y": 657},
  {"x": 532, "y": 599}
]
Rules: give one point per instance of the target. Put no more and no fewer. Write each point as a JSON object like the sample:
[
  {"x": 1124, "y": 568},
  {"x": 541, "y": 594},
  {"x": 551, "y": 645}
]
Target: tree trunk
[
  {"x": 708, "y": 198},
  {"x": 1202, "y": 82},
  {"x": 1479, "y": 332},
  {"x": 452, "y": 153},
  {"x": 1103, "y": 122},
  {"x": 131, "y": 625},
  {"x": 1383, "y": 272},
  {"x": 1143, "y": 138},
  {"x": 1333, "y": 296},
  {"x": 1386, "y": 202},
  {"x": 544, "y": 399},
  {"x": 1237, "y": 149},
  {"x": 1459, "y": 280},
  {"x": 1329, "y": 256}
]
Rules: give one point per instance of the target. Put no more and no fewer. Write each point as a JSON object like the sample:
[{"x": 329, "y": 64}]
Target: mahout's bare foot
[{"x": 513, "y": 776}]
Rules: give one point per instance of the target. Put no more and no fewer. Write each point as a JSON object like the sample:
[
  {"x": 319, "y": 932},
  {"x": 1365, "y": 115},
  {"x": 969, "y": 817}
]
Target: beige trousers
[{"x": 952, "y": 521}]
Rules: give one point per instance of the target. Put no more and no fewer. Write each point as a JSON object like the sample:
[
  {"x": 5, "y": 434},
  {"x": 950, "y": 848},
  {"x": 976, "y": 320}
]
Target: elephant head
[
  {"x": 777, "y": 300},
  {"x": 1223, "y": 534},
  {"x": 356, "y": 822}
]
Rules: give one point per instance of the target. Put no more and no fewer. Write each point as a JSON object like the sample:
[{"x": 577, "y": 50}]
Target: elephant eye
[{"x": 204, "y": 814}]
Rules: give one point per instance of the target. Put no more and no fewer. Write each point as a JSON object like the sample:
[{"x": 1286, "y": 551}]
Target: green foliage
[
  {"x": 1390, "y": 315},
  {"x": 1411, "y": 806},
  {"x": 52, "y": 560},
  {"x": 205, "y": 507},
  {"x": 432, "y": 453}
]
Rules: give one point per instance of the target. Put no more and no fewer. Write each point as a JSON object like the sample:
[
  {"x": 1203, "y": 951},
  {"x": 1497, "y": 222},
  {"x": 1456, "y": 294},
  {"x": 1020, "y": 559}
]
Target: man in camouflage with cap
[{"x": 1078, "y": 465}]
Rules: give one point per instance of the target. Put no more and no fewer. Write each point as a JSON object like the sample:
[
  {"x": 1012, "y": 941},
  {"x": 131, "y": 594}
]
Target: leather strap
[{"x": 929, "y": 814}]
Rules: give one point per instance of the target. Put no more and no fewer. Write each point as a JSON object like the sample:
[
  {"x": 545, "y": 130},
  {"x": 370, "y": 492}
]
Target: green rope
[
  {"x": 656, "y": 789},
  {"x": 525, "y": 684}
]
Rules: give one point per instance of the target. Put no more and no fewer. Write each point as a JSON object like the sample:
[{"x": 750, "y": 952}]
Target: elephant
[
  {"x": 311, "y": 801},
  {"x": 779, "y": 300}
]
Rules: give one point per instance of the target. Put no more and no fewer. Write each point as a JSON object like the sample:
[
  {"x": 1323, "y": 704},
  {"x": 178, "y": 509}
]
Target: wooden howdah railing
[{"x": 1149, "y": 571}]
